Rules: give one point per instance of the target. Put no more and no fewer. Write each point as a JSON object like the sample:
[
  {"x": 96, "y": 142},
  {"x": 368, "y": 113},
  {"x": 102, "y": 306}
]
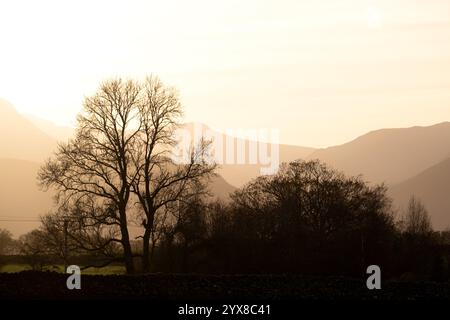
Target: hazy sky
[{"x": 323, "y": 72}]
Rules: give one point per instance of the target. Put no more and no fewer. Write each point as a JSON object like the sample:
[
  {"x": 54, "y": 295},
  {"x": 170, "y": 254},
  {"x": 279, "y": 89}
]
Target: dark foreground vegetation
[
  {"x": 307, "y": 219},
  {"x": 47, "y": 285}
]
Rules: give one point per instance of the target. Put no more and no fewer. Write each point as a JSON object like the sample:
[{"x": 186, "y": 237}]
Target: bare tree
[
  {"x": 6, "y": 242},
  {"x": 82, "y": 228},
  {"x": 417, "y": 220},
  {"x": 160, "y": 183},
  {"x": 308, "y": 200},
  {"x": 38, "y": 254},
  {"x": 98, "y": 161},
  {"x": 122, "y": 150}
]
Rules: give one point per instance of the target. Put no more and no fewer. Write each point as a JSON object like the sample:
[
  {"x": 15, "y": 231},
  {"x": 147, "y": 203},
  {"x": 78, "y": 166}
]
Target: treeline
[
  {"x": 306, "y": 219},
  {"x": 125, "y": 196}
]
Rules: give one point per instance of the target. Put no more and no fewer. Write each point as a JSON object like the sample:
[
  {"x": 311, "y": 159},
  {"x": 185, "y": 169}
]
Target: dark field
[{"x": 46, "y": 285}]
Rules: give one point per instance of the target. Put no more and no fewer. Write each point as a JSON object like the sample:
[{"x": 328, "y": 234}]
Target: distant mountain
[
  {"x": 237, "y": 174},
  {"x": 432, "y": 186},
  {"x": 21, "y": 198},
  {"x": 220, "y": 189},
  {"x": 390, "y": 155},
  {"x": 58, "y": 133},
  {"x": 20, "y": 139}
]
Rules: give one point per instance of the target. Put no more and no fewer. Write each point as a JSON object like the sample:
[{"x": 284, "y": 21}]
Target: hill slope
[
  {"x": 220, "y": 188},
  {"x": 21, "y": 198},
  {"x": 237, "y": 174},
  {"x": 20, "y": 139},
  {"x": 58, "y": 133},
  {"x": 432, "y": 186},
  {"x": 390, "y": 155}
]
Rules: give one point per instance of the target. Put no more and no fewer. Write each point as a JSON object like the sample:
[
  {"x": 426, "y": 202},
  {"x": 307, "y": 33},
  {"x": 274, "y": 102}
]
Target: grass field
[{"x": 109, "y": 270}]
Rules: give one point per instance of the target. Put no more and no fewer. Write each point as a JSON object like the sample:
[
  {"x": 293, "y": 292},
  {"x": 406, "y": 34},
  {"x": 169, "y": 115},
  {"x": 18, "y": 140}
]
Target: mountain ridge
[{"x": 390, "y": 155}]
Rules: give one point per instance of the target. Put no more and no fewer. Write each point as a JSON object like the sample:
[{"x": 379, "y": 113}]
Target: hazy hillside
[
  {"x": 239, "y": 174},
  {"x": 20, "y": 139},
  {"x": 432, "y": 186},
  {"x": 390, "y": 155},
  {"x": 220, "y": 188},
  {"x": 59, "y": 133},
  {"x": 21, "y": 198}
]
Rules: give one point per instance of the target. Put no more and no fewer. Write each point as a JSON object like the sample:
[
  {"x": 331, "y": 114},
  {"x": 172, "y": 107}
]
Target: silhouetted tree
[
  {"x": 307, "y": 218},
  {"x": 98, "y": 161},
  {"x": 417, "y": 221},
  {"x": 122, "y": 149},
  {"x": 160, "y": 183},
  {"x": 83, "y": 228},
  {"x": 36, "y": 250},
  {"x": 315, "y": 215},
  {"x": 419, "y": 249},
  {"x": 6, "y": 242}
]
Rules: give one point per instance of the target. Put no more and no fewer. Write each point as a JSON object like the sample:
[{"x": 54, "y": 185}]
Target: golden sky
[{"x": 323, "y": 72}]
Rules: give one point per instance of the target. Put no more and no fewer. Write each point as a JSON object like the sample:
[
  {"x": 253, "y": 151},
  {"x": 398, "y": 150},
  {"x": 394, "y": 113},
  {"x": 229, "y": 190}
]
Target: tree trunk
[
  {"x": 127, "y": 252},
  {"x": 146, "y": 251},
  {"x": 146, "y": 242},
  {"x": 152, "y": 252},
  {"x": 185, "y": 256},
  {"x": 128, "y": 257}
]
